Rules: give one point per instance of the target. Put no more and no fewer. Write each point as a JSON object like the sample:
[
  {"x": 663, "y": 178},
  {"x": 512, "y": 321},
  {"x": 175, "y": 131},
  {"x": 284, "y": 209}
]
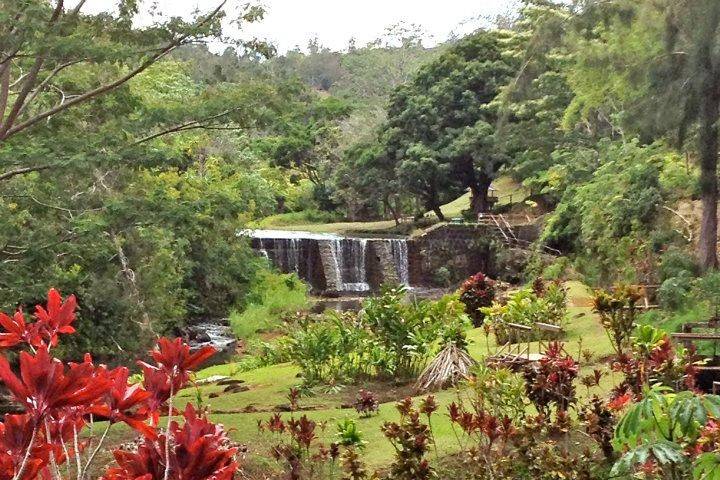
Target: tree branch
[
  {"x": 29, "y": 82},
  {"x": 23, "y": 170},
  {"x": 8, "y": 131},
  {"x": 46, "y": 80},
  {"x": 4, "y": 89},
  {"x": 194, "y": 124}
]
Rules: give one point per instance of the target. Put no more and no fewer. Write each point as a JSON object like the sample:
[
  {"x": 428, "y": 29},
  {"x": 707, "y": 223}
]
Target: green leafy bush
[
  {"x": 388, "y": 337},
  {"x": 674, "y": 292},
  {"x": 302, "y": 217},
  {"x": 674, "y": 432},
  {"x": 527, "y": 307},
  {"x": 618, "y": 314},
  {"x": 677, "y": 262}
]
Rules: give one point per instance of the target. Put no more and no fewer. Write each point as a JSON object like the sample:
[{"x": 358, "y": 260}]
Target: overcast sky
[{"x": 291, "y": 23}]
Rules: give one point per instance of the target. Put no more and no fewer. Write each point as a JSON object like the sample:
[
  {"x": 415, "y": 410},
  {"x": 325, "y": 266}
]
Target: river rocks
[{"x": 216, "y": 334}]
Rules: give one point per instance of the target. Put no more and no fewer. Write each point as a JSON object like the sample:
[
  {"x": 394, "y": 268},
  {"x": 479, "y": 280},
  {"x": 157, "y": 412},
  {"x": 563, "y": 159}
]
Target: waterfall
[
  {"x": 400, "y": 256},
  {"x": 348, "y": 257},
  {"x": 263, "y": 251},
  {"x": 292, "y": 252},
  {"x": 332, "y": 263}
]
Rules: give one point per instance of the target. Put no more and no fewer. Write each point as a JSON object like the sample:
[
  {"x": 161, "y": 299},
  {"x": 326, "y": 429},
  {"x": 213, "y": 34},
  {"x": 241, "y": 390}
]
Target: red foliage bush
[
  {"x": 366, "y": 403},
  {"x": 549, "y": 382},
  {"x": 61, "y": 400},
  {"x": 477, "y": 292}
]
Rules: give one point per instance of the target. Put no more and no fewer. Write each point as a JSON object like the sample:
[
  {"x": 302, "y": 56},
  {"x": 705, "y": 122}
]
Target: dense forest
[{"x": 134, "y": 160}]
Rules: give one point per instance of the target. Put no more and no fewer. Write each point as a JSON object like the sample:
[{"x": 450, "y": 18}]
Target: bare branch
[
  {"x": 23, "y": 170},
  {"x": 192, "y": 125}
]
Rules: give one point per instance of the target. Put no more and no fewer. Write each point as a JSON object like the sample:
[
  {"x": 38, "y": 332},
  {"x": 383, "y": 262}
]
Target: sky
[{"x": 291, "y": 23}]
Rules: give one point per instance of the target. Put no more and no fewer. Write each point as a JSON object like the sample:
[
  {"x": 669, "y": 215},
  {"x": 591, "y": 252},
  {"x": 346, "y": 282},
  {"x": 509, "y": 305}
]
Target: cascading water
[
  {"x": 349, "y": 260},
  {"x": 400, "y": 256},
  {"x": 334, "y": 263}
]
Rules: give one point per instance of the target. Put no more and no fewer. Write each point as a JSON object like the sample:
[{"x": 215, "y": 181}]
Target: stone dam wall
[{"x": 442, "y": 255}]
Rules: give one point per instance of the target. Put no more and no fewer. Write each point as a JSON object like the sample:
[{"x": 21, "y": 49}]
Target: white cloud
[{"x": 291, "y": 23}]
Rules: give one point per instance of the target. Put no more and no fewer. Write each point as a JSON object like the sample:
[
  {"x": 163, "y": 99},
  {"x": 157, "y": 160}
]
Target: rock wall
[
  {"x": 446, "y": 254},
  {"x": 442, "y": 255},
  {"x": 381, "y": 264}
]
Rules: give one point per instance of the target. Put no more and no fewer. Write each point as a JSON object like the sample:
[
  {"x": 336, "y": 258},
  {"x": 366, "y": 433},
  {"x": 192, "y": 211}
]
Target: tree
[
  {"x": 375, "y": 192},
  {"x": 654, "y": 68},
  {"x": 690, "y": 74},
  {"x": 55, "y": 58},
  {"x": 131, "y": 191},
  {"x": 441, "y": 126}
]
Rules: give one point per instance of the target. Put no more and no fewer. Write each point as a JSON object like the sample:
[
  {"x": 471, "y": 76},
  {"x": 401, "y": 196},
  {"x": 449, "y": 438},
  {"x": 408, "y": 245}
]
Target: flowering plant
[{"x": 53, "y": 437}]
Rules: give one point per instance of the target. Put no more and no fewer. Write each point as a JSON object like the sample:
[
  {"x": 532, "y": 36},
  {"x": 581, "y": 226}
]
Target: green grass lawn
[
  {"x": 269, "y": 387},
  {"x": 503, "y": 187}
]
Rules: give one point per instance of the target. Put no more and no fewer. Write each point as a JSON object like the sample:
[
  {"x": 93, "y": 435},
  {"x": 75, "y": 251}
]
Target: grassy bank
[{"x": 272, "y": 297}]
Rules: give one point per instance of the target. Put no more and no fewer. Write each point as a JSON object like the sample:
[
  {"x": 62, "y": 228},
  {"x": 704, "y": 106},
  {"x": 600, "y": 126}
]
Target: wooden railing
[
  {"x": 504, "y": 225},
  {"x": 522, "y": 352}
]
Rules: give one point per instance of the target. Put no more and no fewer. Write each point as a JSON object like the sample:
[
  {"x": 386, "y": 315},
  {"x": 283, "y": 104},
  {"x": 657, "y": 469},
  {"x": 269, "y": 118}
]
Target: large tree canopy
[{"x": 441, "y": 130}]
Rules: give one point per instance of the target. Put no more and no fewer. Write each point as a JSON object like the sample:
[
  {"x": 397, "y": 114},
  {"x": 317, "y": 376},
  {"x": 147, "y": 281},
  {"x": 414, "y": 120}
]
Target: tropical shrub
[
  {"x": 477, "y": 292},
  {"x": 348, "y": 434},
  {"x": 60, "y": 399},
  {"x": 484, "y": 437},
  {"x": 297, "y": 448},
  {"x": 366, "y": 403},
  {"x": 674, "y": 292},
  {"x": 550, "y": 382},
  {"x": 670, "y": 435},
  {"x": 706, "y": 290},
  {"x": 387, "y": 338},
  {"x": 618, "y": 314},
  {"x": 527, "y": 307},
  {"x": 599, "y": 420},
  {"x": 653, "y": 360},
  {"x": 411, "y": 439},
  {"x": 499, "y": 391},
  {"x": 352, "y": 465},
  {"x": 333, "y": 350}
]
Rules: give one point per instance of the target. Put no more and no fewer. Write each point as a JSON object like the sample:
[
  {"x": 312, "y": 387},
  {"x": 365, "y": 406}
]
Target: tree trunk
[
  {"x": 479, "y": 202},
  {"x": 708, "y": 138},
  {"x": 387, "y": 202},
  {"x": 438, "y": 212}
]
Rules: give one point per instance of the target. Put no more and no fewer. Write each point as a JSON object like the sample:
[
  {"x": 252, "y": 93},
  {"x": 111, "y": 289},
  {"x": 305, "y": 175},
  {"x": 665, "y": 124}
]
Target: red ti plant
[
  {"x": 411, "y": 440},
  {"x": 653, "y": 359},
  {"x": 485, "y": 437},
  {"x": 294, "y": 453},
  {"x": 366, "y": 403},
  {"x": 549, "y": 382},
  {"x": 52, "y": 438},
  {"x": 477, "y": 292}
]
